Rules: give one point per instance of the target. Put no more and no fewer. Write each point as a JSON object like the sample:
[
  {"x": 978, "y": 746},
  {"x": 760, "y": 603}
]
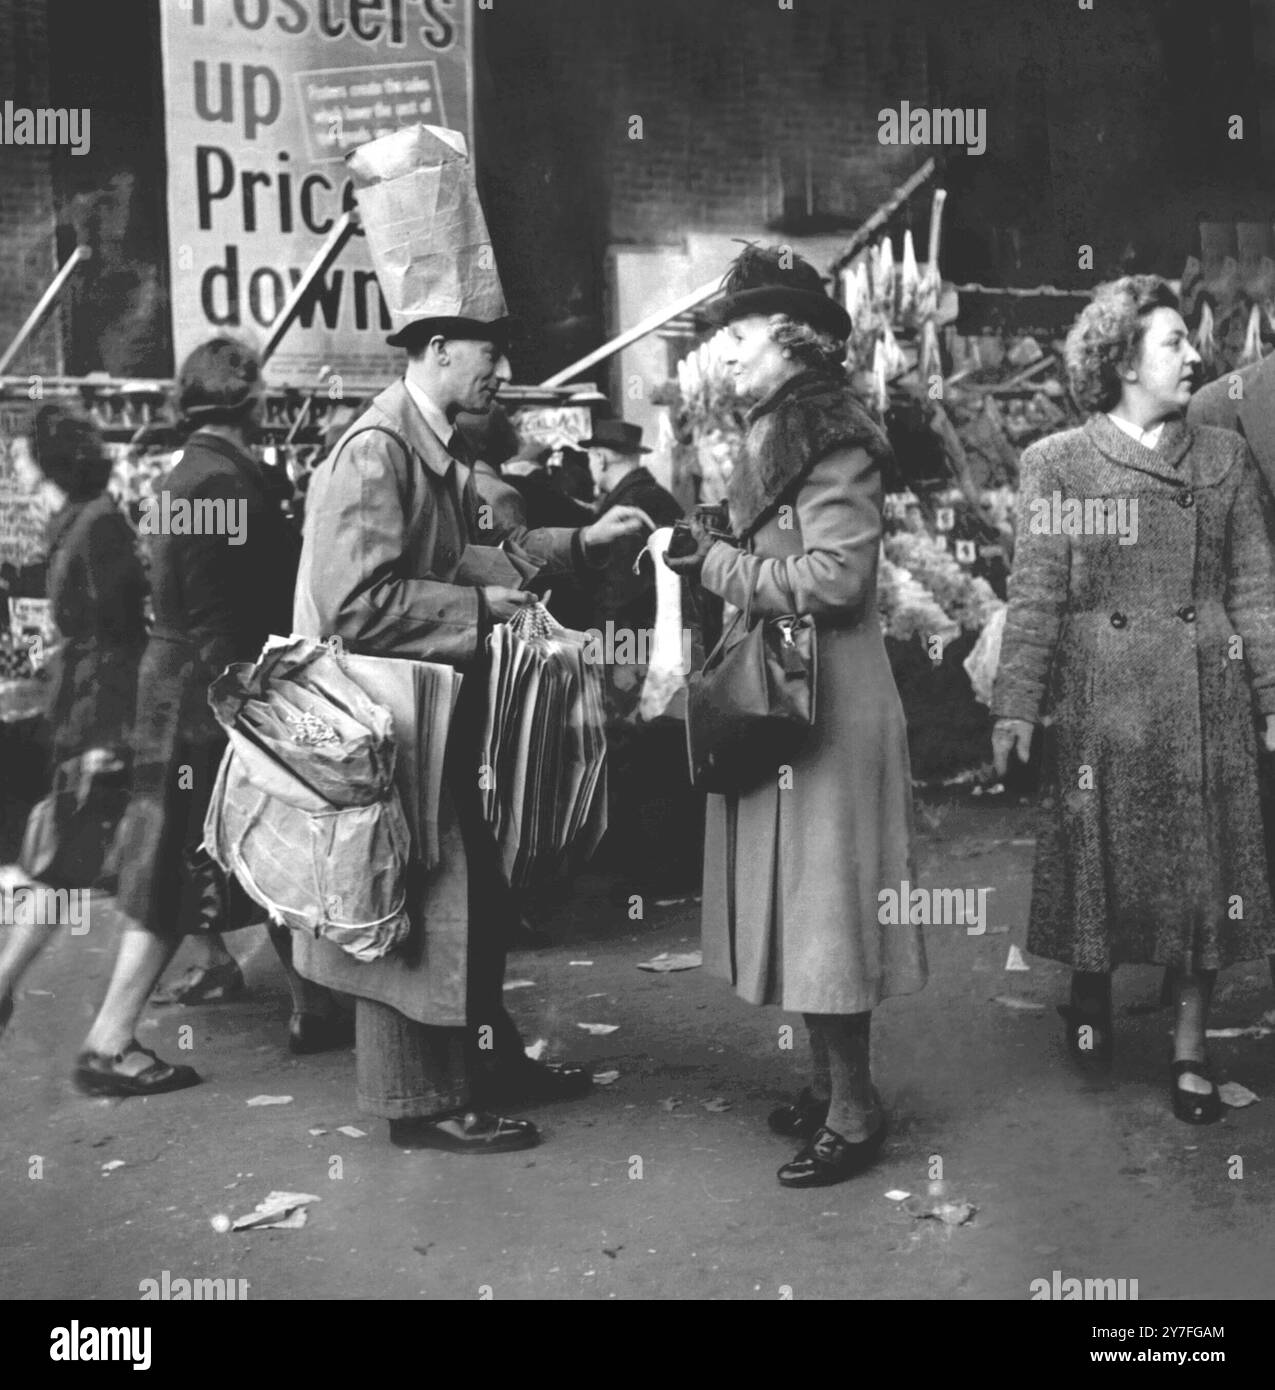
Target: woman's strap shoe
[
  {"x": 97, "y": 1074},
  {"x": 1194, "y": 1107},
  {"x": 801, "y": 1119},
  {"x": 829, "y": 1159},
  {"x": 474, "y": 1133}
]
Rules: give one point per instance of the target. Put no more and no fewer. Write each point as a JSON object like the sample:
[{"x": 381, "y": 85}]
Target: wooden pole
[
  {"x": 323, "y": 258},
  {"x": 883, "y": 214},
  {"x": 55, "y": 286},
  {"x": 639, "y": 330},
  {"x": 698, "y": 296}
]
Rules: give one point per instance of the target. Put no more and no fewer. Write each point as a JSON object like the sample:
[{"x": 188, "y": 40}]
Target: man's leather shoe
[
  {"x": 476, "y": 1132},
  {"x": 539, "y": 1081},
  {"x": 312, "y": 1033},
  {"x": 829, "y": 1158},
  {"x": 800, "y": 1120}
]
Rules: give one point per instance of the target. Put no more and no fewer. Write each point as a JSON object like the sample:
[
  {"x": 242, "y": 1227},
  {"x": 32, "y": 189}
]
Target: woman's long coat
[
  {"x": 793, "y": 870},
  {"x": 97, "y": 589},
  {"x": 216, "y": 600},
  {"x": 1149, "y": 660}
]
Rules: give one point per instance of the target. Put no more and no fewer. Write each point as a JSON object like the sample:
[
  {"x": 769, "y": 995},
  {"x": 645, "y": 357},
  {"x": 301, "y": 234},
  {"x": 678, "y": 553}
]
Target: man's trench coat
[{"x": 384, "y": 532}]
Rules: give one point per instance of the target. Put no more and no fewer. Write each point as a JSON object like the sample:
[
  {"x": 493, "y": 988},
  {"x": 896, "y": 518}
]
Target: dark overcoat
[
  {"x": 1146, "y": 661},
  {"x": 215, "y": 602},
  {"x": 1243, "y": 401},
  {"x": 793, "y": 871},
  {"x": 624, "y": 595},
  {"x": 386, "y": 525},
  {"x": 96, "y": 589}
]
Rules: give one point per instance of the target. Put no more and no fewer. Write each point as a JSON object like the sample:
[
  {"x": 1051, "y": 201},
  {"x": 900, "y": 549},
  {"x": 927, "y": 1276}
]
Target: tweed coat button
[
  {"x": 1186, "y": 499},
  {"x": 1119, "y": 620},
  {"x": 1186, "y": 613}
]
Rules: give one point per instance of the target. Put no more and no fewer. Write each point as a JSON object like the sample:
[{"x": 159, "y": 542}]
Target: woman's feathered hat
[{"x": 775, "y": 280}]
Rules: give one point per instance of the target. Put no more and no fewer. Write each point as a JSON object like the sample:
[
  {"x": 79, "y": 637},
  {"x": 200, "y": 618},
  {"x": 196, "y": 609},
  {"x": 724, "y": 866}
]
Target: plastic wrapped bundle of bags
[
  {"x": 544, "y": 747},
  {"x": 305, "y": 813}
]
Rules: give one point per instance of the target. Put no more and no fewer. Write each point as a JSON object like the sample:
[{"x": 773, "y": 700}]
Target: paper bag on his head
[{"x": 425, "y": 226}]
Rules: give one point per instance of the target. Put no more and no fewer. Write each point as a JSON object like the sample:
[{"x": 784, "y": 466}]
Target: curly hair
[
  {"x": 810, "y": 347},
  {"x": 1107, "y": 335}
]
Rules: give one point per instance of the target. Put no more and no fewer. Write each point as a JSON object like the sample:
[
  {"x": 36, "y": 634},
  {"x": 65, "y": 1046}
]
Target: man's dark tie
[{"x": 458, "y": 448}]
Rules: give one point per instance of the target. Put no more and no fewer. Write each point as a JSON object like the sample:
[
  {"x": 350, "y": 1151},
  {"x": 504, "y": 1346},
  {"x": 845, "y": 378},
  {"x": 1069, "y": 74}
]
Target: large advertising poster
[{"x": 263, "y": 99}]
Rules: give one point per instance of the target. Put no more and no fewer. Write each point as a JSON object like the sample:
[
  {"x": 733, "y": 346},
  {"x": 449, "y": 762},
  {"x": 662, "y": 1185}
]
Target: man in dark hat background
[
  {"x": 655, "y": 820},
  {"x": 625, "y": 592}
]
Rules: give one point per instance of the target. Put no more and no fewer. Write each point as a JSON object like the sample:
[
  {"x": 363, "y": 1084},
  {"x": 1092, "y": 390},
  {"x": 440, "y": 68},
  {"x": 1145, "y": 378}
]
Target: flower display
[{"x": 964, "y": 600}]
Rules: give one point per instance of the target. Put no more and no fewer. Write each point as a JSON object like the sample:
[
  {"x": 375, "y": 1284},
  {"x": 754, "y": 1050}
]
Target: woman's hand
[
  {"x": 1268, "y": 734},
  {"x": 689, "y": 564},
  {"x": 1008, "y": 734}
]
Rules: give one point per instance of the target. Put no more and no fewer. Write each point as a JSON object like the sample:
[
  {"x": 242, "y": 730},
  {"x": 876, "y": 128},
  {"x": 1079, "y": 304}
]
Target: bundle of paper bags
[
  {"x": 329, "y": 787},
  {"x": 544, "y": 747}
]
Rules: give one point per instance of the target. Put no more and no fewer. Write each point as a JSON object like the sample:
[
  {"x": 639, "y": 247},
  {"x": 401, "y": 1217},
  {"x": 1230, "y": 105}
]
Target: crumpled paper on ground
[
  {"x": 667, "y": 961},
  {"x": 277, "y": 1211}
]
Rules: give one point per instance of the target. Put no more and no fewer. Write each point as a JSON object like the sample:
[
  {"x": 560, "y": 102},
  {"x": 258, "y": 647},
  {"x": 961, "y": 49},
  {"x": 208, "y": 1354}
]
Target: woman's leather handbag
[
  {"x": 69, "y": 833},
  {"x": 751, "y": 707}
]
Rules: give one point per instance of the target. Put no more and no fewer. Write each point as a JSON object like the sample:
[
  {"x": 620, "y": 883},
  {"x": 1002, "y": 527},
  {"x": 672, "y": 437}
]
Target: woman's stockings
[{"x": 853, "y": 1111}]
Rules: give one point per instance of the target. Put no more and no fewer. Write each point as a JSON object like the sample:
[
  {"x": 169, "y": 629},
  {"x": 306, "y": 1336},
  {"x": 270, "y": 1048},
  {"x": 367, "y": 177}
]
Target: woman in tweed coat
[{"x": 1141, "y": 631}]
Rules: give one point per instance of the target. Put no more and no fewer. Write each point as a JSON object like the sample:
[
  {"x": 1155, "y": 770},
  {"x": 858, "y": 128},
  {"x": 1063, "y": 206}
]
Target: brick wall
[
  {"x": 744, "y": 106},
  {"x": 27, "y": 252},
  {"x": 741, "y": 104}
]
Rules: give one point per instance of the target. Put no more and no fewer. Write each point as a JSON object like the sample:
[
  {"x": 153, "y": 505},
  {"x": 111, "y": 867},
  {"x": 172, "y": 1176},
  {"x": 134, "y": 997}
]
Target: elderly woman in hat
[
  {"x": 793, "y": 868},
  {"x": 1145, "y": 648}
]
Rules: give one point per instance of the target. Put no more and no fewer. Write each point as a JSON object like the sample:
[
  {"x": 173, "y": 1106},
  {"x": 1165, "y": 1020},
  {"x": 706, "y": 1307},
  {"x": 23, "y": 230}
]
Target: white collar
[
  {"x": 435, "y": 418},
  {"x": 1147, "y": 438}
]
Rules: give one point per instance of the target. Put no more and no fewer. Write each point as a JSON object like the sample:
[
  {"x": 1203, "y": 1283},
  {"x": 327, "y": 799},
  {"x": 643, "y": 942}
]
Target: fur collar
[{"x": 808, "y": 417}]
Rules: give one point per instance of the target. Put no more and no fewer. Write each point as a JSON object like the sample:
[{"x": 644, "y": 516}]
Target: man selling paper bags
[{"x": 397, "y": 562}]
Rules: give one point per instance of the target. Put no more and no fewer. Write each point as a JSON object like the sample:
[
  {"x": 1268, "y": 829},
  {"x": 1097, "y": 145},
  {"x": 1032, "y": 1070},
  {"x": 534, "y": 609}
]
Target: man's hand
[
  {"x": 1268, "y": 734},
  {"x": 503, "y": 603},
  {"x": 619, "y": 521},
  {"x": 1007, "y": 735}
]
